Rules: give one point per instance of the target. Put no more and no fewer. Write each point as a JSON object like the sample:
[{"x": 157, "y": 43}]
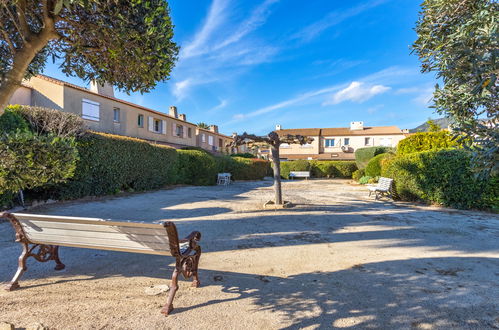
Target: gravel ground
[{"x": 338, "y": 259}]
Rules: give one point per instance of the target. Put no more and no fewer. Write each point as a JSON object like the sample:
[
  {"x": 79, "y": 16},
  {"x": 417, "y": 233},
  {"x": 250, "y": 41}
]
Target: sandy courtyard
[{"x": 337, "y": 260}]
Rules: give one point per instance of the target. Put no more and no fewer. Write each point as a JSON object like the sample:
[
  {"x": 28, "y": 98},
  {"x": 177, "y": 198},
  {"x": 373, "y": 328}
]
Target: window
[
  {"x": 140, "y": 120},
  {"x": 179, "y": 130},
  {"x": 90, "y": 110},
  {"x": 210, "y": 140},
  {"x": 329, "y": 143},
  {"x": 189, "y": 132},
  {"x": 386, "y": 142},
  {"x": 367, "y": 141},
  {"x": 203, "y": 138},
  {"x": 157, "y": 126},
  {"x": 220, "y": 143},
  {"x": 116, "y": 115},
  {"x": 346, "y": 141}
]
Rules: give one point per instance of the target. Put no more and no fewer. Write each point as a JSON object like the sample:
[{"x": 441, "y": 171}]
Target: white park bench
[
  {"x": 383, "y": 187},
  {"x": 224, "y": 179},
  {"x": 299, "y": 174},
  {"x": 41, "y": 236}
]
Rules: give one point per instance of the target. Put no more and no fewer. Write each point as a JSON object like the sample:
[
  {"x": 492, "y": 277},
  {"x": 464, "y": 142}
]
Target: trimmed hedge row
[
  {"x": 363, "y": 155},
  {"x": 444, "y": 177},
  {"x": 425, "y": 141},
  {"x": 373, "y": 168},
  {"x": 320, "y": 168}
]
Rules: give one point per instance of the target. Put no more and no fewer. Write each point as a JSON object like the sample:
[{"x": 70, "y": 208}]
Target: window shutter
[
  {"x": 184, "y": 131},
  {"x": 174, "y": 129},
  {"x": 151, "y": 124},
  {"x": 163, "y": 126}
]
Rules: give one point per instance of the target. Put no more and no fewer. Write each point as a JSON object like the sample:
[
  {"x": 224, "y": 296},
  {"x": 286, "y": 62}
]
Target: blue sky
[{"x": 248, "y": 65}]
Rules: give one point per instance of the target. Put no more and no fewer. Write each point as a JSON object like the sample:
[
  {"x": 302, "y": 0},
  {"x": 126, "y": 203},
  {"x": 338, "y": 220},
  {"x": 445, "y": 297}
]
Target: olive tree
[
  {"x": 127, "y": 43},
  {"x": 274, "y": 141},
  {"x": 458, "y": 39}
]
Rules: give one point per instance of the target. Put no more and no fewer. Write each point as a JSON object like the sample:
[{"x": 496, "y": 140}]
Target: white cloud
[
  {"x": 334, "y": 18},
  {"x": 181, "y": 88},
  {"x": 357, "y": 92},
  {"x": 222, "y": 104}
]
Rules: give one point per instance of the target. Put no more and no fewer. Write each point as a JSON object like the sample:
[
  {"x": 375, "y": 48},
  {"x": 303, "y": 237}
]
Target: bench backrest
[
  {"x": 299, "y": 173},
  {"x": 99, "y": 234},
  {"x": 385, "y": 183}
]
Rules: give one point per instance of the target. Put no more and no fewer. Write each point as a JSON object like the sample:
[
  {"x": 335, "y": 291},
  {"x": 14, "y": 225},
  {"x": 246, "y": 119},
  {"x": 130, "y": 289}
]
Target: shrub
[
  {"x": 11, "y": 121},
  {"x": 111, "y": 163},
  {"x": 294, "y": 165},
  {"x": 29, "y": 160},
  {"x": 356, "y": 175},
  {"x": 365, "y": 179},
  {"x": 49, "y": 121},
  {"x": 333, "y": 168},
  {"x": 425, "y": 141},
  {"x": 373, "y": 168},
  {"x": 443, "y": 177},
  {"x": 363, "y": 155},
  {"x": 196, "y": 167},
  {"x": 244, "y": 155},
  {"x": 244, "y": 168}
]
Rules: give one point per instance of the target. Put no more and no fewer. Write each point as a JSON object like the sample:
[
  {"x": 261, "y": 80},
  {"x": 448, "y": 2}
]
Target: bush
[
  {"x": 373, "y": 168},
  {"x": 244, "y": 155},
  {"x": 244, "y": 168},
  {"x": 196, "y": 167},
  {"x": 365, "y": 179},
  {"x": 49, "y": 121},
  {"x": 425, "y": 141},
  {"x": 11, "y": 121},
  {"x": 29, "y": 161},
  {"x": 363, "y": 155},
  {"x": 356, "y": 175},
  {"x": 443, "y": 177},
  {"x": 333, "y": 168},
  {"x": 111, "y": 163},
  {"x": 294, "y": 165}
]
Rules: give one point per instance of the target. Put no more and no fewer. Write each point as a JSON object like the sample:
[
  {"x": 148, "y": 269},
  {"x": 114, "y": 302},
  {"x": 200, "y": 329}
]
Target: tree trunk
[
  {"x": 22, "y": 58},
  {"x": 277, "y": 174}
]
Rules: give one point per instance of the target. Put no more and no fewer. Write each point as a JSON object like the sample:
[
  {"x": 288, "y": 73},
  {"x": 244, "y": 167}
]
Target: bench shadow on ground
[{"x": 393, "y": 294}]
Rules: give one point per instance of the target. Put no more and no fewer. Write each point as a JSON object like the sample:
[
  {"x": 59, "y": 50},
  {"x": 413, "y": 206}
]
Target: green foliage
[
  {"x": 320, "y": 168},
  {"x": 365, "y": 179},
  {"x": 128, "y": 44},
  {"x": 29, "y": 160},
  {"x": 196, "y": 167},
  {"x": 443, "y": 177},
  {"x": 458, "y": 40},
  {"x": 203, "y": 125},
  {"x": 244, "y": 168},
  {"x": 12, "y": 121},
  {"x": 294, "y": 165},
  {"x": 373, "y": 168},
  {"x": 50, "y": 121},
  {"x": 433, "y": 126},
  {"x": 363, "y": 155},
  {"x": 243, "y": 155},
  {"x": 333, "y": 168},
  {"x": 110, "y": 163},
  {"x": 356, "y": 175},
  {"x": 425, "y": 141}
]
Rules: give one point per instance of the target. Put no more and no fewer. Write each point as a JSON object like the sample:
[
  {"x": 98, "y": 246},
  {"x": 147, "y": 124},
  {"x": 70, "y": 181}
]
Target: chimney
[
  {"x": 173, "y": 111},
  {"x": 405, "y": 130},
  {"x": 182, "y": 116},
  {"x": 278, "y": 127},
  {"x": 214, "y": 128},
  {"x": 105, "y": 89},
  {"x": 356, "y": 125}
]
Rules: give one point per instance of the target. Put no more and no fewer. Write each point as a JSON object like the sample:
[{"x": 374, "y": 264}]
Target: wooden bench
[
  {"x": 299, "y": 174},
  {"x": 41, "y": 236},
  {"x": 384, "y": 187}
]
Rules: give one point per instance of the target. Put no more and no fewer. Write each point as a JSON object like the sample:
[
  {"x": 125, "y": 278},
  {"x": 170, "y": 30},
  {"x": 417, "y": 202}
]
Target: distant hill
[{"x": 442, "y": 122}]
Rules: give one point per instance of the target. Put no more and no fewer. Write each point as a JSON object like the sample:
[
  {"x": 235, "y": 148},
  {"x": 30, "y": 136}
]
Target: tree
[
  {"x": 458, "y": 40},
  {"x": 127, "y": 43},
  {"x": 203, "y": 125},
  {"x": 274, "y": 141},
  {"x": 433, "y": 126}
]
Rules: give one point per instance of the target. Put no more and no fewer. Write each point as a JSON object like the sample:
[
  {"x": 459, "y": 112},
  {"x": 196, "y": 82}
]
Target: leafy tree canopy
[
  {"x": 203, "y": 125},
  {"x": 127, "y": 43},
  {"x": 458, "y": 39}
]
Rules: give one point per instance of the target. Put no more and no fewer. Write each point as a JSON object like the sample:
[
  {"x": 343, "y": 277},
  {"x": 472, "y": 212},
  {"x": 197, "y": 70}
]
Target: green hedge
[
  {"x": 443, "y": 177},
  {"x": 196, "y": 167},
  {"x": 373, "y": 168},
  {"x": 320, "y": 168},
  {"x": 363, "y": 155},
  {"x": 425, "y": 141},
  {"x": 111, "y": 163},
  {"x": 243, "y": 155}
]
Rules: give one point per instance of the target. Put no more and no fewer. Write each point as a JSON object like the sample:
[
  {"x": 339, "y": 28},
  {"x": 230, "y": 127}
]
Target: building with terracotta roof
[
  {"x": 338, "y": 143},
  {"x": 105, "y": 113}
]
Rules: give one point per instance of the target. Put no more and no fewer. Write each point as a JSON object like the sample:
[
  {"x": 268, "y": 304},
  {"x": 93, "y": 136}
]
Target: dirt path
[{"x": 336, "y": 260}]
